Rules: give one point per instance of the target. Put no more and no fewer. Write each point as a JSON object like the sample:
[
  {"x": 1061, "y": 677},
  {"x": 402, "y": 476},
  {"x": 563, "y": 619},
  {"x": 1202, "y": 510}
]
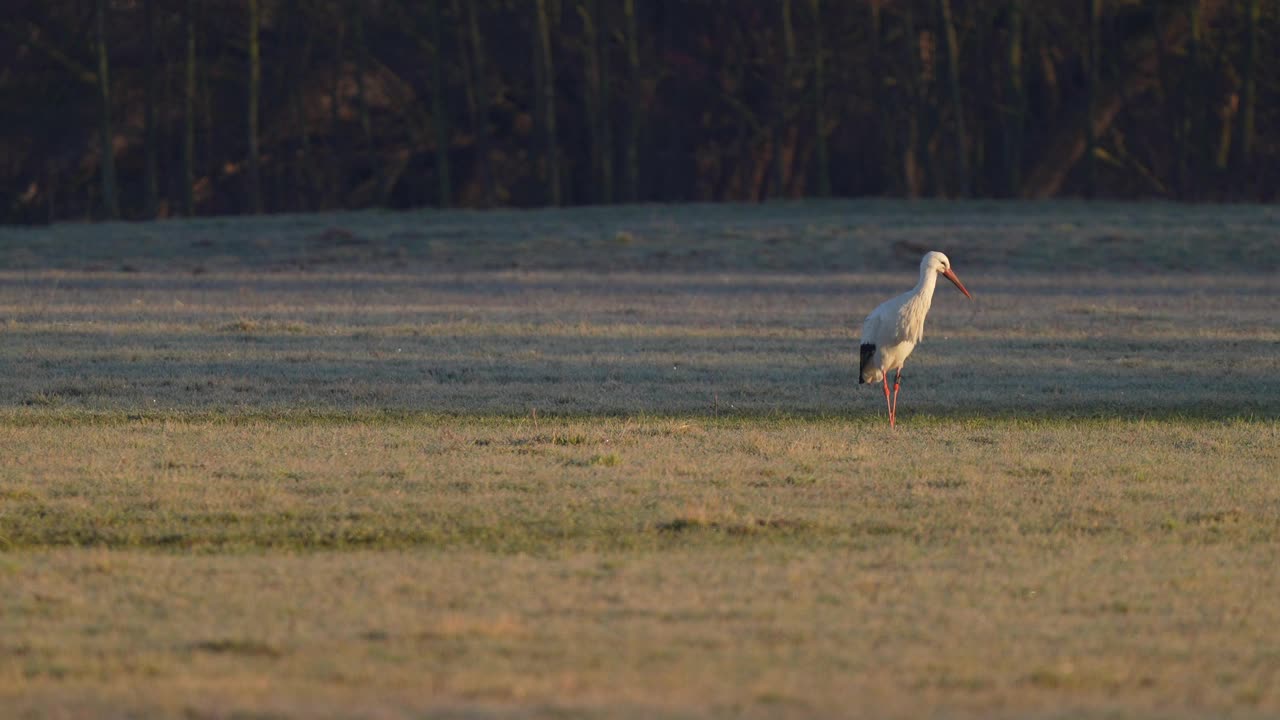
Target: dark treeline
[{"x": 143, "y": 108}]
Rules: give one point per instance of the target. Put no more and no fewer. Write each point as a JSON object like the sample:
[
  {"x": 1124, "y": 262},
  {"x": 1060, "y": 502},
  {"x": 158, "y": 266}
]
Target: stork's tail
[{"x": 867, "y": 373}]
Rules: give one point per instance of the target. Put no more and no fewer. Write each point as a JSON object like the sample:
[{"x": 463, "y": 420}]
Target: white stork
[{"x": 891, "y": 331}]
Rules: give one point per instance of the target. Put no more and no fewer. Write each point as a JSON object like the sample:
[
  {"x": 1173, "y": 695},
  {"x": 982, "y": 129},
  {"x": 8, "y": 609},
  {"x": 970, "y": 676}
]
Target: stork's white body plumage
[{"x": 893, "y": 329}]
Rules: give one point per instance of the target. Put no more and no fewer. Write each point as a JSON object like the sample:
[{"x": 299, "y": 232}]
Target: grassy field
[{"x": 615, "y": 463}]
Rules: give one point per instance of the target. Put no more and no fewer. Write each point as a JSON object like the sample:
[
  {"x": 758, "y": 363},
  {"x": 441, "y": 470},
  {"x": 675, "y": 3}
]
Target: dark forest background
[{"x": 145, "y": 108}]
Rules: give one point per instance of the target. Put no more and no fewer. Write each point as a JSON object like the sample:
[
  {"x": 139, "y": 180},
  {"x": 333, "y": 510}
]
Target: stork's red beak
[{"x": 952, "y": 277}]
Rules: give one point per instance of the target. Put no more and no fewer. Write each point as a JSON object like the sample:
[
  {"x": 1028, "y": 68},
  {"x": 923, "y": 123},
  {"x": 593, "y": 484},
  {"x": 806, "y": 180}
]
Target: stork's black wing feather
[{"x": 868, "y": 352}]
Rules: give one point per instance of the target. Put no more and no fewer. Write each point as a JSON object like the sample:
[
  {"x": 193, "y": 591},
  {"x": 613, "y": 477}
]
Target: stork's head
[{"x": 935, "y": 261}]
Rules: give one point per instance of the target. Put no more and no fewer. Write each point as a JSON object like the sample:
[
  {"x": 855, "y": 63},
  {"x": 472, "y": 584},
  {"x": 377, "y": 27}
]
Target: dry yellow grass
[
  {"x": 617, "y": 484},
  {"x": 756, "y": 630},
  {"x": 419, "y": 484}
]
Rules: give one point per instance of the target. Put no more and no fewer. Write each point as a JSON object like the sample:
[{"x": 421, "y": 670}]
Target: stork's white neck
[{"x": 928, "y": 281}]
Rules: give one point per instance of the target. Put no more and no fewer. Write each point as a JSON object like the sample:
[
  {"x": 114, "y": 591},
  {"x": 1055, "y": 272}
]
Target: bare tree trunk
[
  {"x": 302, "y": 175},
  {"x": 335, "y": 86},
  {"x": 1249, "y": 83},
  {"x": 911, "y": 168},
  {"x": 594, "y": 104},
  {"x": 1016, "y": 105},
  {"x": 337, "y": 151},
  {"x": 879, "y": 77},
  {"x": 297, "y": 105},
  {"x": 605, "y": 94},
  {"x": 783, "y": 103},
  {"x": 983, "y": 76},
  {"x": 669, "y": 173},
  {"x": 633, "y": 119},
  {"x": 548, "y": 90},
  {"x": 204, "y": 100},
  {"x": 476, "y": 93},
  {"x": 481, "y": 124},
  {"x": 362, "y": 66},
  {"x": 151, "y": 183},
  {"x": 439, "y": 112},
  {"x": 537, "y": 139},
  {"x": 953, "y": 68},
  {"x": 110, "y": 200},
  {"x": 189, "y": 114},
  {"x": 1226, "y": 109},
  {"x": 819, "y": 103},
  {"x": 1190, "y": 95},
  {"x": 255, "y": 89},
  {"x": 1094, "y": 59}
]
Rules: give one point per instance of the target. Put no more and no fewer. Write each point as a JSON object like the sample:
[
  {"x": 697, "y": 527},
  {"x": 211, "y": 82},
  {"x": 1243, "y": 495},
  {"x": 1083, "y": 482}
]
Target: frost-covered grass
[
  {"x": 466, "y": 465},
  {"x": 834, "y": 236},
  {"x": 511, "y": 343}
]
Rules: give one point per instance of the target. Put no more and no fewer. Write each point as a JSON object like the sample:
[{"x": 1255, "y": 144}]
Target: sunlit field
[{"x": 616, "y": 463}]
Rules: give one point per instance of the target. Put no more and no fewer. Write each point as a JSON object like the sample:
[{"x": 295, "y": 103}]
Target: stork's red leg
[
  {"x": 887, "y": 403},
  {"x": 897, "y": 382}
]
